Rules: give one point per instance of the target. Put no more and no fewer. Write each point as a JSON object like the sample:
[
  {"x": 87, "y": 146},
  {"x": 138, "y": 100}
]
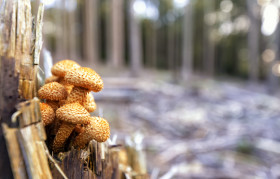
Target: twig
[{"x": 54, "y": 162}]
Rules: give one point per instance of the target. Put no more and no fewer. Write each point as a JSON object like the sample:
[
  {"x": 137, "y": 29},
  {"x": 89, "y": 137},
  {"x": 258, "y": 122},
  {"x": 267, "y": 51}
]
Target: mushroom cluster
[{"x": 68, "y": 104}]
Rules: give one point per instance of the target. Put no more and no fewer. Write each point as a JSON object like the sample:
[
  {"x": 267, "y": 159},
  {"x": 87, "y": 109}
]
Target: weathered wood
[
  {"x": 17, "y": 162},
  {"x": 95, "y": 162},
  {"x": 9, "y": 97},
  {"x": 17, "y": 79}
]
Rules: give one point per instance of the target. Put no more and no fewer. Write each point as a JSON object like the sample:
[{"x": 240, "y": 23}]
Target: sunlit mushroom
[{"x": 98, "y": 129}]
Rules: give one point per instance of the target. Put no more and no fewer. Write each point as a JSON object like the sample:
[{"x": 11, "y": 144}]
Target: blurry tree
[
  {"x": 187, "y": 49},
  {"x": 135, "y": 42},
  {"x": 117, "y": 30},
  {"x": 208, "y": 43},
  {"x": 253, "y": 39},
  {"x": 72, "y": 37},
  {"x": 90, "y": 34},
  {"x": 149, "y": 43},
  {"x": 273, "y": 65}
]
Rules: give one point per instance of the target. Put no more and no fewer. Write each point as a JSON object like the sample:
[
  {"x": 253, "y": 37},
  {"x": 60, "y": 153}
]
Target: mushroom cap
[
  {"x": 52, "y": 91},
  {"x": 63, "y": 66},
  {"x": 52, "y": 79},
  {"x": 47, "y": 114},
  {"x": 98, "y": 129},
  {"x": 89, "y": 103},
  {"x": 86, "y": 78},
  {"x": 77, "y": 95},
  {"x": 73, "y": 113}
]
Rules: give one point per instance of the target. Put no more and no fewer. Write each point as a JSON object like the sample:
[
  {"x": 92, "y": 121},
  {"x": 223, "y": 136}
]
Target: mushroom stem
[
  {"x": 98, "y": 129},
  {"x": 89, "y": 103},
  {"x": 62, "y": 135},
  {"x": 77, "y": 95}
]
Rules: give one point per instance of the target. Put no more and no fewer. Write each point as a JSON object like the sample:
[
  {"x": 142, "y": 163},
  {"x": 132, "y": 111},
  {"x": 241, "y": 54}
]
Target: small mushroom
[
  {"x": 69, "y": 115},
  {"x": 62, "y": 135},
  {"x": 98, "y": 129},
  {"x": 47, "y": 114},
  {"x": 61, "y": 67},
  {"x": 52, "y": 91},
  {"x": 86, "y": 78},
  {"x": 89, "y": 103},
  {"x": 73, "y": 113}
]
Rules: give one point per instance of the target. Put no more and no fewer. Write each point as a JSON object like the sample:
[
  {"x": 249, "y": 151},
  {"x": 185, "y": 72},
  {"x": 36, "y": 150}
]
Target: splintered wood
[
  {"x": 25, "y": 144},
  {"x": 98, "y": 161},
  {"x": 20, "y": 45},
  {"x": 21, "y": 42}
]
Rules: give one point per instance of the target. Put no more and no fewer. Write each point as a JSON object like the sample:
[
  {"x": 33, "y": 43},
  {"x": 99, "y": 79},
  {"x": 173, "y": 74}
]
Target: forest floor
[{"x": 202, "y": 129}]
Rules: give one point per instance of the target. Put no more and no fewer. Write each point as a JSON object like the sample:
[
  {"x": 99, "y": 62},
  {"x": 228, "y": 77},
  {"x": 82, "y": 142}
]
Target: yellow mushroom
[
  {"x": 61, "y": 67},
  {"x": 47, "y": 114},
  {"x": 52, "y": 91},
  {"x": 69, "y": 115},
  {"x": 98, "y": 129},
  {"x": 84, "y": 77}
]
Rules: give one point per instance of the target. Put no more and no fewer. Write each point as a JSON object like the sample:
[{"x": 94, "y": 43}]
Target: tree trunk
[
  {"x": 208, "y": 44},
  {"x": 72, "y": 38},
  {"x": 253, "y": 40},
  {"x": 117, "y": 20},
  {"x": 273, "y": 80},
  {"x": 59, "y": 43},
  {"x": 170, "y": 46},
  {"x": 90, "y": 35},
  {"x": 135, "y": 42},
  {"x": 187, "y": 49}
]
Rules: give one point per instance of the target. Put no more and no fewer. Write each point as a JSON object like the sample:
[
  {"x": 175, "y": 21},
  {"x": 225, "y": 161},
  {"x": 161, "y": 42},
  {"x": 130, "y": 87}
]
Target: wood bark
[
  {"x": 9, "y": 97},
  {"x": 96, "y": 162}
]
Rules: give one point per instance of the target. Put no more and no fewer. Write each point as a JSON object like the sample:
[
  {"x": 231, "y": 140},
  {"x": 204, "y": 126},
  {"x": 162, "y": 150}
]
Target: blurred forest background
[
  {"x": 212, "y": 37},
  {"x": 190, "y": 125}
]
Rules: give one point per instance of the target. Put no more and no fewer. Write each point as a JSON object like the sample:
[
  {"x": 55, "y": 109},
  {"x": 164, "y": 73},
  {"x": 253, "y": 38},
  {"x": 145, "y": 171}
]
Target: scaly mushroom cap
[
  {"x": 73, "y": 113},
  {"x": 52, "y": 91},
  {"x": 47, "y": 114},
  {"x": 62, "y": 135},
  {"x": 61, "y": 67},
  {"x": 89, "y": 103},
  {"x": 86, "y": 78},
  {"x": 77, "y": 95},
  {"x": 52, "y": 79},
  {"x": 53, "y": 104},
  {"x": 98, "y": 129}
]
